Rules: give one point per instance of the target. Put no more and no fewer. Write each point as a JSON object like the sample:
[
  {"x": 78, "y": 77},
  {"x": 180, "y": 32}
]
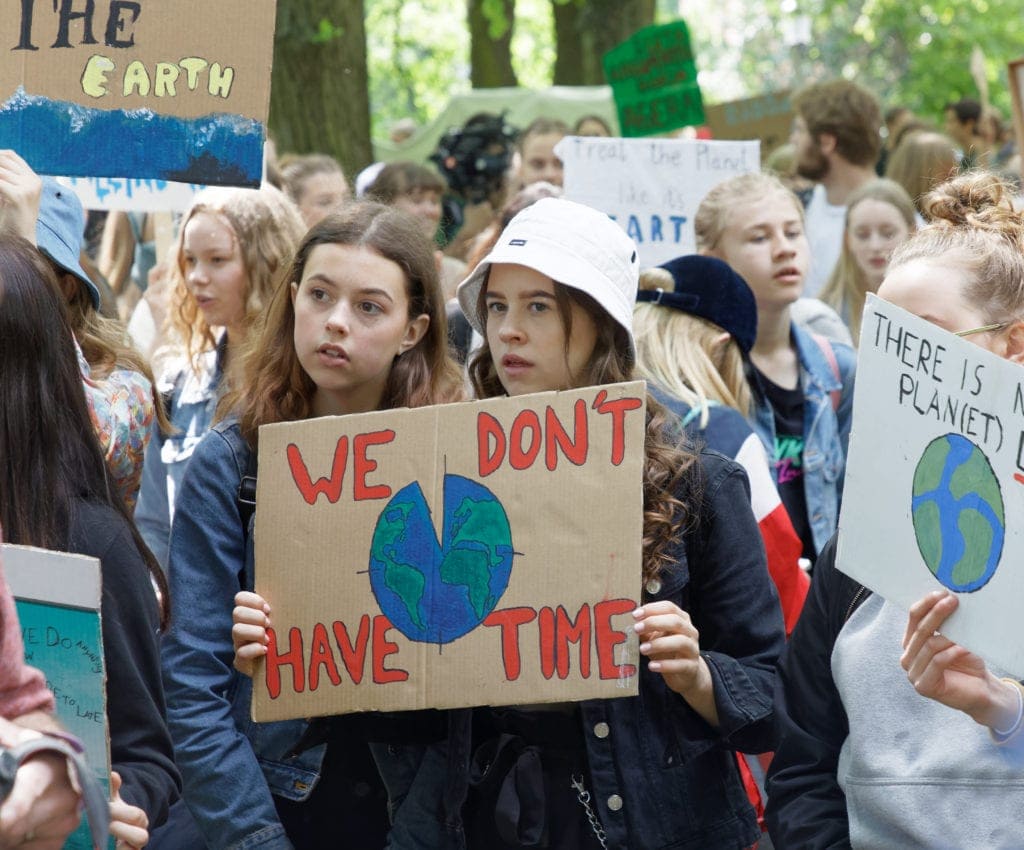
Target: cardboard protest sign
[
  {"x": 465, "y": 554},
  {"x": 175, "y": 91},
  {"x": 767, "y": 118},
  {"x": 58, "y": 600},
  {"x": 132, "y": 194},
  {"x": 934, "y": 492},
  {"x": 654, "y": 80},
  {"x": 651, "y": 187}
]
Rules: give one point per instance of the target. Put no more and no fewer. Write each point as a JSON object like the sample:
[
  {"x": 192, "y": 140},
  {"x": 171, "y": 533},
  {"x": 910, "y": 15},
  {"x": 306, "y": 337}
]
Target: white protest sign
[
  {"x": 934, "y": 492},
  {"x": 652, "y": 187},
  {"x": 132, "y": 194}
]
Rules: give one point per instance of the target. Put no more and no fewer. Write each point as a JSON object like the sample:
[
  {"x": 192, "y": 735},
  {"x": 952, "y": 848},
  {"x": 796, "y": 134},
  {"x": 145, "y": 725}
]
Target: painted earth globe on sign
[
  {"x": 958, "y": 513},
  {"x": 436, "y": 591}
]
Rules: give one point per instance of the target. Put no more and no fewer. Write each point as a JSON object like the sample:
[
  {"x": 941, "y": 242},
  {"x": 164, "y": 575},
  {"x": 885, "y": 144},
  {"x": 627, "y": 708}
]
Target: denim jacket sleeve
[
  {"x": 152, "y": 513},
  {"x": 224, "y": 785}
]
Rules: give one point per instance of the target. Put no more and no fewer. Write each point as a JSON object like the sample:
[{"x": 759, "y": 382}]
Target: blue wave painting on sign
[{"x": 59, "y": 137}]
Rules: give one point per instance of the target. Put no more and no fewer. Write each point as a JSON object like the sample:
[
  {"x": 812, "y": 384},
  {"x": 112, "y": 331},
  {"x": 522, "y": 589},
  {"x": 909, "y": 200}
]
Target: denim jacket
[
  {"x": 230, "y": 765},
  {"x": 826, "y": 429},
  {"x": 191, "y": 400}
]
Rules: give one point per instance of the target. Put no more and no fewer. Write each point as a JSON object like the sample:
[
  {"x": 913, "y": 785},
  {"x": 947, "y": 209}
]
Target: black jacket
[
  {"x": 140, "y": 745},
  {"x": 806, "y": 807}
]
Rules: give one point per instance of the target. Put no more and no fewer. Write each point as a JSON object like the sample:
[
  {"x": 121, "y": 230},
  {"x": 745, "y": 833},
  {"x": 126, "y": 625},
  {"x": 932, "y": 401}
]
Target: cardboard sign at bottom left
[{"x": 58, "y": 600}]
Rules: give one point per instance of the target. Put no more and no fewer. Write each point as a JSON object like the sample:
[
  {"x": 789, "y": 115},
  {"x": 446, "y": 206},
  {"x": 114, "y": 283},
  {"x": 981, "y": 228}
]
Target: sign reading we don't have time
[{"x": 464, "y": 554}]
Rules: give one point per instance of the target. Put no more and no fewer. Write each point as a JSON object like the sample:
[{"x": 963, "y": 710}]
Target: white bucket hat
[{"x": 574, "y": 245}]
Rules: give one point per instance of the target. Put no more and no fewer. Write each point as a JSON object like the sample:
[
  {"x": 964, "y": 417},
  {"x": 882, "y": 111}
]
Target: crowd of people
[{"x": 133, "y": 387}]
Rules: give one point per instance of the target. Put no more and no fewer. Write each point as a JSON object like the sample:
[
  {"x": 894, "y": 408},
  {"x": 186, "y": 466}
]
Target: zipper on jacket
[{"x": 854, "y": 601}]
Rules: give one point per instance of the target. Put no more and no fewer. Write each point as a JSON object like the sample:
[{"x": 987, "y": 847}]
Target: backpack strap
[
  {"x": 246, "y": 496},
  {"x": 830, "y": 356}
]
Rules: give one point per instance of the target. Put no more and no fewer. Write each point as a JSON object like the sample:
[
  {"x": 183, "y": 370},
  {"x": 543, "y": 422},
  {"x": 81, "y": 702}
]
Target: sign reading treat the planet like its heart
[{"x": 465, "y": 554}]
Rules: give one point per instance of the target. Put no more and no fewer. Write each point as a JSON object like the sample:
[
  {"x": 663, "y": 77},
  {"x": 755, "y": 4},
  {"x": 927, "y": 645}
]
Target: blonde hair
[
  {"x": 267, "y": 227},
  {"x": 847, "y": 287},
  {"x": 684, "y": 355},
  {"x": 917, "y": 158},
  {"x": 712, "y": 214},
  {"x": 974, "y": 225}
]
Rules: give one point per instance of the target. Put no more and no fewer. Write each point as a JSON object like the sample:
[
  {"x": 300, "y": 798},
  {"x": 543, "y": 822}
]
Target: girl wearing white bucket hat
[{"x": 554, "y": 303}]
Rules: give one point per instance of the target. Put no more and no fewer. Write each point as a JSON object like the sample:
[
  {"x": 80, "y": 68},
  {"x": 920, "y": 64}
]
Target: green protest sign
[{"x": 654, "y": 80}]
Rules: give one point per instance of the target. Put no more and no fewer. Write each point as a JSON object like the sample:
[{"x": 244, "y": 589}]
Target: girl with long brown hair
[
  {"x": 356, "y": 324},
  {"x": 554, "y": 303},
  {"x": 57, "y": 492}
]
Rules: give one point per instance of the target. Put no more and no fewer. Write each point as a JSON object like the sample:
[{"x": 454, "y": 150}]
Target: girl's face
[
  {"x": 763, "y": 240},
  {"x": 526, "y": 335},
  {"x": 215, "y": 275},
  {"x": 351, "y": 322},
  {"x": 424, "y": 204},
  {"x": 934, "y": 289},
  {"x": 321, "y": 195},
  {"x": 874, "y": 229}
]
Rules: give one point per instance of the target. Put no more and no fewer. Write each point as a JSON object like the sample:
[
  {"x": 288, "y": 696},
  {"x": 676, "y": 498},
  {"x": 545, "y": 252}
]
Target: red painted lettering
[
  {"x": 546, "y": 634},
  {"x": 275, "y": 660},
  {"x": 320, "y": 655},
  {"x": 490, "y": 438},
  {"x": 566, "y": 632},
  {"x": 364, "y": 465},
  {"x": 330, "y": 487},
  {"x": 519, "y": 457},
  {"x": 618, "y": 409},
  {"x": 353, "y": 656},
  {"x": 382, "y": 648},
  {"x": 509, "y": 620},
  {"x": 606, "y": 638},
  {"x": 558, "y": 438}
]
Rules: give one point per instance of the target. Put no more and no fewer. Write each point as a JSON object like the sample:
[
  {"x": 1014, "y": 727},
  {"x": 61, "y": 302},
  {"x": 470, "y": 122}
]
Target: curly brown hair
[
  {"x": 668, "y": 462},
  {"x": 847, "y": 111},
  {"x": 275, "y": 388}
]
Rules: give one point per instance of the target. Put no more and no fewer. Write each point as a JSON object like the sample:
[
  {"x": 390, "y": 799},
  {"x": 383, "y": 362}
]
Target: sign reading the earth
[
  {"x": 934, "y": 491},
  {"x": 467, "y": 554}
]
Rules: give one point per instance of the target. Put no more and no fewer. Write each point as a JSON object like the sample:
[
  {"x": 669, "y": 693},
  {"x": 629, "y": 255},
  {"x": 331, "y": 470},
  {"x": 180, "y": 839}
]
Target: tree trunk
[
  {"x": 319, "y": 97},
  {"x": 584, "y": 32},
  {"x": 490, "y": 59}
]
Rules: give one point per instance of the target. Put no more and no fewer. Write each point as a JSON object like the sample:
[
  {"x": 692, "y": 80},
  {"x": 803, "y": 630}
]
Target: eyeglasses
[{"x": 998, "y": 326}]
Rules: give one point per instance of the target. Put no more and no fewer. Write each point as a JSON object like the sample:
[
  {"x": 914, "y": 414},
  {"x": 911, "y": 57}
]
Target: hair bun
[{"x": 977, "y": 200}]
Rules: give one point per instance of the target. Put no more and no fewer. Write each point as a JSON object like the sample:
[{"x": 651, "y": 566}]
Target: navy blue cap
[
  {"x": 709, "y": 288},
  {"x": 60, "y": 230}
]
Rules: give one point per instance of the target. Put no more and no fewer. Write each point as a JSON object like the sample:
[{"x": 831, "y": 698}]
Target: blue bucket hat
[
  {"x": 60, "y": 229},
  {"x": 709, "y": 288}
]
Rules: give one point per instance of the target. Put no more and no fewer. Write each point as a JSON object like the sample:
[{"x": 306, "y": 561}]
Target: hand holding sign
[
  {"x": 672, "y": 645},
  {"x": 943, "y": 671},
  {"x": 42, "y": 802},
  {"x": 128, "y": 823},
  {"x": 251, "y": 619},
  {"x": 20, "y": 189}
]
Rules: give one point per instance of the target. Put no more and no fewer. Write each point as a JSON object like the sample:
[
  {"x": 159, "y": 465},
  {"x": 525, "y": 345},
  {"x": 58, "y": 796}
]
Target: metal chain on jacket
[{"x": 583, "y": 795}]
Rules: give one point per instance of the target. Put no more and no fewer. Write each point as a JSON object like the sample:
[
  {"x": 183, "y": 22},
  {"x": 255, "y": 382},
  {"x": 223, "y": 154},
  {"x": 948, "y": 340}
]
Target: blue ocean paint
[{"x": 59, "y": 137}]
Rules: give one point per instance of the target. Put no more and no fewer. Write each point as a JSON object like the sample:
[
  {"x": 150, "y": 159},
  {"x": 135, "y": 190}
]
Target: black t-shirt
[{"x": 787, "y": 458}]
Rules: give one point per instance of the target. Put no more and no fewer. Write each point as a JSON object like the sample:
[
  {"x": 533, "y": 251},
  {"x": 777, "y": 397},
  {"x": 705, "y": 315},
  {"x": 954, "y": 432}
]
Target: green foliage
[
  {"x": 911, "y": 54},
  {"x": 326, "y": 32},
  {"x": 418, "y": 54},
  {"x": 497, "y": 21}
]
